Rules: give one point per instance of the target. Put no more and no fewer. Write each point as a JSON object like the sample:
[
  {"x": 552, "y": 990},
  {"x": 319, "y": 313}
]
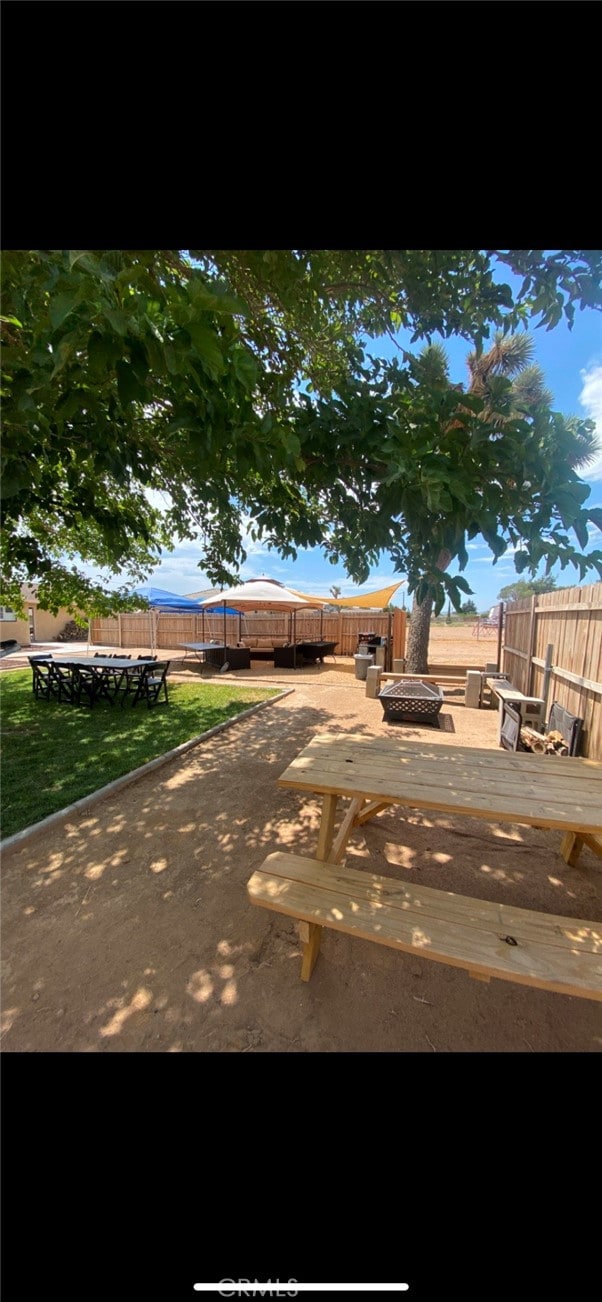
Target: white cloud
[{"x": 591, "y": 399}]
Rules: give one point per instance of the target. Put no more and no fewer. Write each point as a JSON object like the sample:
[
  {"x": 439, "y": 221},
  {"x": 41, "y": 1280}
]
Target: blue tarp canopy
[{"x": 159, "y": 599}]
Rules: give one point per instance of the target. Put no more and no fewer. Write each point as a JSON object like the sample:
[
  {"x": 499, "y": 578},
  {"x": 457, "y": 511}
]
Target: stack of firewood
[{"x": 543, "y": 743}]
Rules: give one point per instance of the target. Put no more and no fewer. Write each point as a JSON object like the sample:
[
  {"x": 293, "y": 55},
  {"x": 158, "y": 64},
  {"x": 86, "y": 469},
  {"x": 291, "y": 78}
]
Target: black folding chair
[
  {"x": 40, "y": 676},
  {"x": 567, "y": 724},
  {"x": 151, "y": 682},
  {"x": 107, "y": 680},
  {"x": 62, "y": 682},
  {"x": 86, "y": 684}
]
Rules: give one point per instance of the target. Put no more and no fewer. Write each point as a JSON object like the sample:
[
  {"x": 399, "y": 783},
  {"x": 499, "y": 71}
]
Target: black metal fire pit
[{"x": 411, "y": 703}]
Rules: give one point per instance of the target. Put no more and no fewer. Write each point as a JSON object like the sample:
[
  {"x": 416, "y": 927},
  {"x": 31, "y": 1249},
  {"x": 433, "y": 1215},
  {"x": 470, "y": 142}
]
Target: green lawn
[{"x": 53, "y": 754}]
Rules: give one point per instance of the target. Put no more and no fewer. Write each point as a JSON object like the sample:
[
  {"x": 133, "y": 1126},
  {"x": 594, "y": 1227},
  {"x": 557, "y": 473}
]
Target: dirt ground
[{"x": 127, "y": 928}]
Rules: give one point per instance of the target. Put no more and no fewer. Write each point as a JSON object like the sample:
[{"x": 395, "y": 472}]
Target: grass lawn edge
[{"x": 94, "y": 797}]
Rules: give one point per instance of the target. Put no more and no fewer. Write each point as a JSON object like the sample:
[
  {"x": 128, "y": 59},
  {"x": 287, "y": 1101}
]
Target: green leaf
[
  {"x": 129, "y": 387},
  {"x": 207, "y": 345},
  {"x": 245, "y": 367},
  {"x": 62, "y": 354},
  {"x": 101, "y": 352},
  {"x": 60, "y": 307},
  {"x": 117, "y": 319},
  {"x": 581, "y": 531}
]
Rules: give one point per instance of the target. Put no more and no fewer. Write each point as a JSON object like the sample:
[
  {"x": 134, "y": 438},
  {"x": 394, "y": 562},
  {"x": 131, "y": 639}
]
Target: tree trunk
[
  {"x": 418, "y": 637},
  {"x": 420, "y": 628}
]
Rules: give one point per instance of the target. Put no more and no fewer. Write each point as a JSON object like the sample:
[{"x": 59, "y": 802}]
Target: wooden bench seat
[{"x": 487, "y": 939}]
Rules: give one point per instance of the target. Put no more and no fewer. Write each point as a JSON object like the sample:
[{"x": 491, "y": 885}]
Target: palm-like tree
[{"x": 510, "y": 357}]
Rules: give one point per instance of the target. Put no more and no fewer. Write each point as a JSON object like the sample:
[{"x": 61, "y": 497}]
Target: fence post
[
  {"x": 531, "y": 646},
  {"x": 500, "y": 633},
  {"x": 547, "y": 673}
]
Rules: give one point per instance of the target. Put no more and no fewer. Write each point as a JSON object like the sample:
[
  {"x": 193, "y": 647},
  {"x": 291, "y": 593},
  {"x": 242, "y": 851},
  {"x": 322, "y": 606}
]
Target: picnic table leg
[
  {"x": 339, "y": 845},
  {"x": 572, "y": 843},
  {"x": 310, "y": 934},
  {"x": 326, "y": 833},
  {"x": 570, "y": 847}
]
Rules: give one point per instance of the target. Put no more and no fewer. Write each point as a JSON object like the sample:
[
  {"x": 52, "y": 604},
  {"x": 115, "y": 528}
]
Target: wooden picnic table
[{"x": 516, "y": 787}]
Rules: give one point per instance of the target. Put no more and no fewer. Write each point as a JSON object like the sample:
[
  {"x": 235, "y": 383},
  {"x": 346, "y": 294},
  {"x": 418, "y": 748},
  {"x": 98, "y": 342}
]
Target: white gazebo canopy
[{"x": 260, "y": 594}]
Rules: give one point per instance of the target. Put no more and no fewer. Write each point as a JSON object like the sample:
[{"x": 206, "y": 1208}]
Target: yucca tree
[{"x": 509, "y": 358}]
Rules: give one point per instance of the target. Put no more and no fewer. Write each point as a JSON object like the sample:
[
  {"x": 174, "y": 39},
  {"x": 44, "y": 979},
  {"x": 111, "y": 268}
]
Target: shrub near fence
[{"x": 570, "y": 621}]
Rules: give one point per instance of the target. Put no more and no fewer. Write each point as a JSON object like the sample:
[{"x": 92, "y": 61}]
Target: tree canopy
[
  {"x": 522, "y": 588},
  {"x": 152, "y": 395}
]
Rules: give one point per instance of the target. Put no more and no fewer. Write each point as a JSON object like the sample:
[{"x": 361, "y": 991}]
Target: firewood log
[
  {"x": 543, "y": 743},
  {"x": 534, "y": 740}
]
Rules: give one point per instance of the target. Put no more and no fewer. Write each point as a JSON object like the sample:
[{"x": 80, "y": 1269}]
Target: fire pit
[{"x": 412, "y": 702}]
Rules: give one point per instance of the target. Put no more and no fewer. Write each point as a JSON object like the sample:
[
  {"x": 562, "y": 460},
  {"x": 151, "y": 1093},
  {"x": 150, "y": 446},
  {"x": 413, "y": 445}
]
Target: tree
[
  {"x": 469, "y": 607},
  {"x": 336, "y": 591},
  {"x": 133, "y": 378},
  {"x": 508, "y": 385},
  {"x": 403, "y": 462},
  {"x": 522, "y": 588}
]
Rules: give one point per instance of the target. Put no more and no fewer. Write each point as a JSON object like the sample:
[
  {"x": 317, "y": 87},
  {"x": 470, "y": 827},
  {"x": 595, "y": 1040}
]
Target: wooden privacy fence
[
  {"x": 553, "y": 649},
  {"x": 168, "y": 631}
]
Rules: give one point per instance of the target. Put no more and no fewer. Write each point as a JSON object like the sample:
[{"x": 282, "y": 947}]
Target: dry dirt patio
[{"x": 127, "y": 927}]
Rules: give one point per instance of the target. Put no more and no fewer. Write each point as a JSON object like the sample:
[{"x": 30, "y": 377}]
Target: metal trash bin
[{"x": 362, "y": 665}]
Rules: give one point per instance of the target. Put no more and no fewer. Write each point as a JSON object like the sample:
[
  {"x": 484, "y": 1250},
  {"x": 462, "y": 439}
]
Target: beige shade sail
[{"x": 368, "y": 601}]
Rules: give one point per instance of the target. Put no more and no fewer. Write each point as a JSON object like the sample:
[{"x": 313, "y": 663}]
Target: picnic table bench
[{"x": 486, "y": 938}]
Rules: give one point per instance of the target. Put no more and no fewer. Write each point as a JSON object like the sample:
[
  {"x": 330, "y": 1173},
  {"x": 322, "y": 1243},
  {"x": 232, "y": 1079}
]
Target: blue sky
[{"x": 572, "y": 365}]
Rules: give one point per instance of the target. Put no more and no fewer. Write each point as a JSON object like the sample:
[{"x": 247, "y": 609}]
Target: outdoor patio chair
[
  {"x": 126, "y": 681},
  {"x": 569, "y": 725},
  {"x": 151, "y": 681},
  {"x": 86, "y": 685},
  {"x": 146, "y": 657},
  {"x": 40, "y": 683},
  {"x": 61, "y": 682}
]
